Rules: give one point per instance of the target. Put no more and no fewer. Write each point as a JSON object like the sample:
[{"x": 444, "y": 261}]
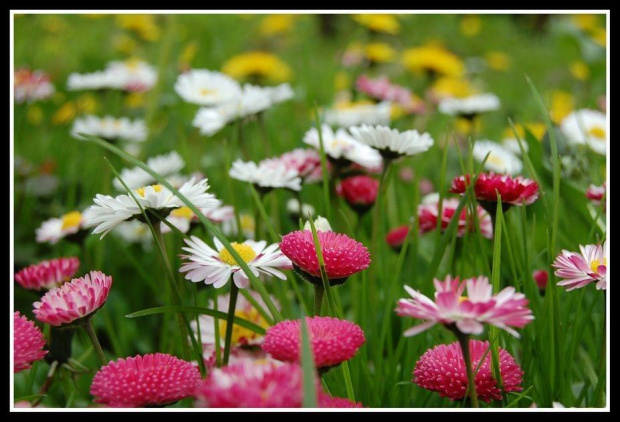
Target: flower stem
[
  {"x": 318, "y": 299},
  {"x": 232, "y": 305},
  {"x": 47, "y": 384},
  {"x": 88, "y": 326},
  {"x": 464, "y": 342}
]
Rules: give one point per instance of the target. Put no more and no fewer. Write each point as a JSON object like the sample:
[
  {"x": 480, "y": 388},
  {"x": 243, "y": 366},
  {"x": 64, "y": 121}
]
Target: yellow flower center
[
  {"x": 245, "y": 252},
  {"x": 247, "y": 223},
  {"x": 239, "y": 332},
  {"x": 463, "y": 299},
  {"x": 71, "y": 220},
  {"x": 140, "y": 191},
  {"x": 597, "y": 132},
  {"x": 204, "y": 91},
  {"x": 183, "y": 212},
  {"x": 595, "y": 264},
  {"x": 494, "y": 159},
  {"x": 132, "y": 64}
]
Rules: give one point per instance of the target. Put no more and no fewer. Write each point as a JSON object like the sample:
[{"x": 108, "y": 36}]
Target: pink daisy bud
[
  {"x": 468, "y": 313},
  {"x": 152, "y": 380},
  {"x": 596, "y": 193},
  {"x": 442, "y": 369},
  {"x": 47, "y": 274},
  {"x": 518, "y": 191},
  {"x": 396, "y": 237},
  {"x": 541, "y": 277},
  {"x": 28, "y": 342},
  {"x": 360, "y": 192},
  {"x": 428, "y": 214},
  {"x": 72, "y": 302},
  {"x": 343, "y": 256},
  {"x": 326, "y": 401},
  {"x": 249, "y": 384},
  {"x": 580, "y": 269},
  {"x": 333, "y": 340}
]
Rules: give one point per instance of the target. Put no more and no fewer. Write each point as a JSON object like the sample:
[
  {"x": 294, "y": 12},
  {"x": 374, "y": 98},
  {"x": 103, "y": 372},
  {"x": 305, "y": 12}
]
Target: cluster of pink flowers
[
  {"x": 517, "y": 191},
  {"x": 382, "y": 89}
]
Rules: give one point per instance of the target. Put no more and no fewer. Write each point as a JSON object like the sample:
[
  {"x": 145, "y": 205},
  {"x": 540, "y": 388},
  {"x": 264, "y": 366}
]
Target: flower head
[
  {"x": 580, "y": 269},
  {"x": 166, "y": 165},
  {"x": 346, "y": 113},
  {"x": 589, "y": 127},
  {"x": 306, "y": 161},
  {"x": 110, "y": 128},
  {"x": 73, "y": 301},
  {"x": 206, "y": 87},
  {"x": 390, "y": 142},
  {"x": 379, "y": 22},
  {"x": 428, "y": 214},
  {"x": 152, "y": 380},
  {"x": 471, "y": 106},
  {"x": 32, "y": 86},
  {"x": 333, "y": 340},
  {"x": 266, "y": 175},
  {"x": 442, "y": 369},
  {"x": 257, "y": 64},
  {"x": 326, "y": 401},
  {"x": 320, "y": 223},
  {"x": 397, "y": 237},
  {"x": 54, "y": 229},
  {"x": 383, "y": 90},
  {"x": 47, "y": 274},
  {"x": 541, "y": 277},
  {"x": 343, "y": 256},
  {"x": 28, "y": 342},
  {"x": 131, "y": 75},
  {"x": 433, "y": 60},
  {"x": 216, "y": 266},
  {"x": 251, "y": 384},
  {"x": 360, "y": 192},
  {"x": 500, "y": 160},
  {"x": 596, "y": 193},
  {"x": 468, "y": 313},
  {"x": 513, "y": 191}
]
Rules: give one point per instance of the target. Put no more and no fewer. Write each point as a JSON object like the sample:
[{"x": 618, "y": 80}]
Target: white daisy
[
  {"x": 469, "y": 106},
  {"x": 165, "y": 165},
  {"x": 131, "y": 75},
  {"x": 135, "y": 232},
  {"x": 346, "y": 114},
  {"x": 512, "y": 144},
  {"x": 110, "y": 128},
  {"x": 215, "y": 266},
  {"x": 292, "y": 207},
  {"x": 390, "y": 142},
  {"x": 206, "y": 87},
  {"x": 586, "y": 127},
  {"x": 109, "y": 211},
  {"x": 220, "y": 214},
  {"x": 54, "y": 229},
  {"x": 342, "y": 148},
  {"x": 183, "y": 218},
  {"x": 279, "y": 94},
  {"x": 230, "y": 229},
  {"x": 320, "y": 224},
  {"x": 501, "y": 159},
  {"x": 94, "y": 80},
  {"x": 266, "y": 175}
]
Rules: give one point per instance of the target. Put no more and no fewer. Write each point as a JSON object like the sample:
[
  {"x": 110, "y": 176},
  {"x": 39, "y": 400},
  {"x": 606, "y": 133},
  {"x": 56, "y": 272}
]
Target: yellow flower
[
  {"x": 125, "y": 44},
  {"x": 537, "y": 129},
  {"x": 35, "y": 114},
  {"x": 257, "y": 64},
  {"x": 342, "y": 81},
  {"x": 464, "y": 126},
  {"x": 379, "y": 52},
  {"x": 188, "y": 54},
  {"x": 585, "y": 22},
  {"x": 65, "y": 114},
  {"x": 434, "y": 60},
  {"x": 143, "y": 25},
  {"x": 135, "y": 100},
  {"x": 452, "y": 87},
  {"x": 471, "y": 25},
  {"x": 396, "y": 111},
  {"x": 580, "y": 70},
  {"x": 379, "y": 23},
  {"x": 273, "y": 25},
  {"x": 497, "y": 60},
  {"x": 562, "y": 104},
  {"x": 599, "y": 36},
  {"x": 87, "y": 104}
]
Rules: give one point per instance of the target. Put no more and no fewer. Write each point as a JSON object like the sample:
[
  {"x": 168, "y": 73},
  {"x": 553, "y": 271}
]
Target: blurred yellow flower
[
  {"x": 135, "y": 99},
  {"x": 65, "y": 114},
  {"x": 143, "y": 25},
  {"x": 188, "y": 54},
  {"x": 537, "y": 129},
  {"x": 87, "y": 104},
  {"x": 599, "y": 36},
  {"x": 379, "y": 52},
  {"x": 580, "y": 70},
  {"x": 342, "y": 81},
  {"x": 434, "y": 60},
  {"x": 471, "y": 25},
  {"x": 452, "y": 87},
  {"x": 497, "y": 60},
  {"x": 562, "y": 104},
  {"x": 257, "y": 64},
  {"x": 273, "y": 25},
  {"x": 585, "y": 22},
  {"x": 379, "y": 23},
  {"x": 396, "y": 111},
  {"x": 35, "y": 115},
  {"x": 465, "y": 126},
  {"x": 125, "y": 44}
]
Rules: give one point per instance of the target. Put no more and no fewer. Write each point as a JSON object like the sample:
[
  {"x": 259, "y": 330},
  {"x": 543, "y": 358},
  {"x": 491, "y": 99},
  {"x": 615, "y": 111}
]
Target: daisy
[
  {"x": 230, "y": 229},
  {"x": 320, "y": 223},
  {"x": 512, "y": 145},
  {"x": 257, "y": 65},
  {"x": 383, "y": 90},
  {"x": 165, "y": 165},
  {"x": 157, "y": 200},
  {"x": 469, "y": 313},
  {"x": 216, "y": 266},
  {"x": 360, "y": 192},
  {"x": 206, "y": 87},
  {"x": 47, "y": 274},
  {"x": 586, "y": 126},
  {"x": 333, "y": 340},
  {"x": 342, "y": 149},
  {"x": 433, "y": 60},
  {"x": 518, "y": 191},
  {"x": 184, "y": 218},
  {"x": 84, "y": 81},
  {"x": 110, "y": 128},
  {"x": 442, "y": 369},
  {"x": 395, "y": 238},
  {"x": 390, "y": 142},
  {"x": 152, "y": 380},
  {"x": 346, "y": 113},
  {"x": 279, "y": 93},
  {"x": 31, "y": 86},
  {"x": 471, "y": 106},
  {"x": 428, "y": 213},
  {"x": 131, "y": 75},
  {"x": 500, "y": 160},
  {"x": 292, "y": 207},
  {"x": 307, "y": 163},
  {"x": 266, "y": 175},
  {"x": 54, "y": 229},
  {"x": 580, "y": 269},
  {"x": 135, "y": 232},
  {"x": 596, "y": 193},
  {"x": 28, "y": 342}
]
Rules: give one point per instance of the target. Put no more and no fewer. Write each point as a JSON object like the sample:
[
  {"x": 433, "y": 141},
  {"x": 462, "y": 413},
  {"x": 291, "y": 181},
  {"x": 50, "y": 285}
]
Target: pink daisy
[
  {"x": 580, "y": 269},
  {"x": 333, "y": 340},
  {"x": 396, "y": 237},
  {"x": 518, "y": 191},
  {"x": 249, "y": 384},
  {"x": 326, "y": 401},
  {"x": 47, "y": 274},
  {"x": 596, "y": 193},
  {"x": 442, "y": 369},
  {"x": 468, "y": 313},
  {"x": 343, "y": 256},
  {"x": 428, "y": 213},
  {"x": 541, "y": 277},
  {"x": 152, "y": 380},
  {"x": 360, "y": 192},
  {"x": 28, "y": 342},
  {"x": 31, "y": 85},
  {"x": 382, "y": 89},
  {"x": 74, "y": 301},
  {"x": 306, "y": 161}
]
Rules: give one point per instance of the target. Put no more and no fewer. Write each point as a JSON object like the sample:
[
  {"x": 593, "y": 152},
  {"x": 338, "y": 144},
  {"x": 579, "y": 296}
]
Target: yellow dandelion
[
  {"x": 562, "y": 104},
  {"x": 65, "y": 114},
  {"x": 257, "y": 65},
  {"x": 143, "y": 25},
  {"x": 379, "y": 23},
  {"x": 274, "y": 25},
  {"x": 452, "y": 87},
  {"x": 471, "y": 25},
  {"x": 497, "y": 60},
  {"x": 580, "y": 70},
  {"x": 379, "y": 52},
  {"x": 434, "y": 60}
]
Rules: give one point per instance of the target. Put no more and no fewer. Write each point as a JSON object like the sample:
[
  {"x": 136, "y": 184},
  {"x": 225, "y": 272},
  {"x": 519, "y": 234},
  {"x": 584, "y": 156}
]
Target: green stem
[
  {"x": 216, "y": 329},
  {"x": 318, "y": 299},
  {"x": 232, "y": 305},
  {"x": 464, "y": 342},
  {"x": 88, "y": 326},
  {"x": 47, "y": 384}
]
